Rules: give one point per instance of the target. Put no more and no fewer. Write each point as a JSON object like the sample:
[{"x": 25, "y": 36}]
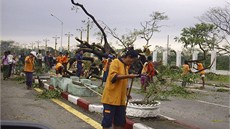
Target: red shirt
[{"x": 150, "y": 69}]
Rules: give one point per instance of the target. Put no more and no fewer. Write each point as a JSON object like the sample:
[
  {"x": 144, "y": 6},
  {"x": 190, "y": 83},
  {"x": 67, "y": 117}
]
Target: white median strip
[
  {"x": 213, "y": 104},
  {"x": 168, "y": 118},
  {"x": 140, "y": 126}
]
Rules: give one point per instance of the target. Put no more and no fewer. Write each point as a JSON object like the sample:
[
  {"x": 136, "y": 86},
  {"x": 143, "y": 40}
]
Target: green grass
[
  {"x": 222, "y": 90},
  {"x": 217, "y": 78}
]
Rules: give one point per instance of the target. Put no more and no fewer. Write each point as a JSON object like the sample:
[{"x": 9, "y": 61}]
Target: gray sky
[{"x": 27, "y": 21}]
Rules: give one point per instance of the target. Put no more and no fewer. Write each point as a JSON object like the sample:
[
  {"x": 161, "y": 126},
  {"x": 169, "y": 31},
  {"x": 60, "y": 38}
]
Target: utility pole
[
  {"x": 81, "y": 31},
  {"x": 38, "y": 43},
  {"x": 32, "y": 45},
  {"x": 87, "y": 32},
  {"x": 68, "y": 35},
  {"x": 46, "y": 40},
  {"x": 55, "y": 38}
]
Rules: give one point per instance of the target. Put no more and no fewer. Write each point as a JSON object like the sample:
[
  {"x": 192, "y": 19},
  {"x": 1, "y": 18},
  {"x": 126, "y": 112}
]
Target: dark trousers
[
  {"x": 29, "y": 79},
  {"x": 10, "y": 69},
  {"x": 79, "y": 71},
  {"x": 40, "y": 62},
  {"x": 5, "y": 71}
]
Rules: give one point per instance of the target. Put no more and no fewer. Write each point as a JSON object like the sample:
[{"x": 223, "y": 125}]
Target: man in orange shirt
[
  {"x": 200, "y": 68},
  {"x": 106, "y": 63},
  {"x": 59, "y": 58},
  {"x": 65, "y": 60},
  {"x": 29, "y": 68},
  {"x": 186, "y": 69},
  {"x": 115, "y": 91}
]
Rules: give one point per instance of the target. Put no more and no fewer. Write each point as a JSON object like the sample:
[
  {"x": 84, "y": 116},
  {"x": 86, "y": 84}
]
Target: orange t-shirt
[
  {"x": 186, "y": 69},
  {"x": 65, "y": 59},
  {"x": 59, "y": 59},
  {"x": 104, "y": 62},
  {"x": 200, "y": 67},
  {"x": 29, "y": 64}
]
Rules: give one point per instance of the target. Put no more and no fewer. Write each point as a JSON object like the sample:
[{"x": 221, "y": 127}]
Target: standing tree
[
  {"x": 151, "y": 26},
  {"x": 220, "y": 17},
  {"x": 202, "y": 35},
  {"x": 6, "y": 45}
]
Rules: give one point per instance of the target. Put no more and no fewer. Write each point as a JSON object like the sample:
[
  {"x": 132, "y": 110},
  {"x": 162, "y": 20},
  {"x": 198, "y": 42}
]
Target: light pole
[
  {"x": 55, "y": 38},
  {"x": 61, "y": 28},
  {"x": 68, "y": 35},
  {"x": 46, "y": 40}
]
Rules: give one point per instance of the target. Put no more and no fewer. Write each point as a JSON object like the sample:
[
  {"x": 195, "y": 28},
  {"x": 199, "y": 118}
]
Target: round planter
[{"x": 143, "y": 110}]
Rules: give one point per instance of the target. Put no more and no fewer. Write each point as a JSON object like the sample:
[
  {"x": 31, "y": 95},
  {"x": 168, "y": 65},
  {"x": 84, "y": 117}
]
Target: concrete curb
[{"x": 94, "y": 108}]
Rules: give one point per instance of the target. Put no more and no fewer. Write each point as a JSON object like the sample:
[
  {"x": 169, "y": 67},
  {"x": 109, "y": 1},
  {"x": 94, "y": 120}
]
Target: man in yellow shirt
[
  {"x": 59, "y": 68},
  {"x": 29, "y": 68},
  {"x": 115, "y": 91}
]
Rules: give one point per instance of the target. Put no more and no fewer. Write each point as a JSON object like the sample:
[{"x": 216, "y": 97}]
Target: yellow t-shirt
[
  {"x": 116, "y": 93},
  {"x": 58, "y": 65},
  {"x": 29, "y": 64},
  {"x": 186, "y": 69},
  {"x": 200, "y": 67}
]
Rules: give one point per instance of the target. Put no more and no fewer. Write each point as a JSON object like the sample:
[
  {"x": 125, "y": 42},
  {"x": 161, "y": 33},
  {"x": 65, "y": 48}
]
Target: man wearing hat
[{"x": 29, "y": 68}]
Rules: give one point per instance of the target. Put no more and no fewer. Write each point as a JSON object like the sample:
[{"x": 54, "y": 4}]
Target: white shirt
[
  {"x": 10, "y": 58},
  {"x": 39, "y": 56}
]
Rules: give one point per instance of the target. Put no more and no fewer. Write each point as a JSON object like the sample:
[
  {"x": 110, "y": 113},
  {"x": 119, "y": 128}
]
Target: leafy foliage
[
  {"x": 50, "y": 94},
  {"x": 218, "y": 78},
  {"x": 202, "y": 35}
]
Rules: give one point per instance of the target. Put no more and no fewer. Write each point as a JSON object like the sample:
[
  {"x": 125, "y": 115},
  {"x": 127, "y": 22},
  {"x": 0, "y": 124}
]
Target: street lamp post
[
  {"x": 61, "y": 28},
  {"x": 68, "y": 35}
]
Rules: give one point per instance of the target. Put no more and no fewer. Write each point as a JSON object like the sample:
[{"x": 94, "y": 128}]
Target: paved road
[
  {"x": 20, "y": 104},
  {"x": 208, "y": 110}
]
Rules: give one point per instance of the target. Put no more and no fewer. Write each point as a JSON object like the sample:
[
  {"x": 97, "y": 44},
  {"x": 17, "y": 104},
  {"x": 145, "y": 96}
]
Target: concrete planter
[
  {"x": 64, "y": 83},
  {"x": 143, "y": 110},
  {"x": 53, "y": 81},
  {"x": 74, "y": 78},
  {"x": 86, "y": 81},
  {"x": 78, "y": 89}
]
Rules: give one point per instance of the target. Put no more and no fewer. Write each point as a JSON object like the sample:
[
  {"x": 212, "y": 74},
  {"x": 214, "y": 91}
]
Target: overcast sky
[{"x": 27, "y": 21}]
